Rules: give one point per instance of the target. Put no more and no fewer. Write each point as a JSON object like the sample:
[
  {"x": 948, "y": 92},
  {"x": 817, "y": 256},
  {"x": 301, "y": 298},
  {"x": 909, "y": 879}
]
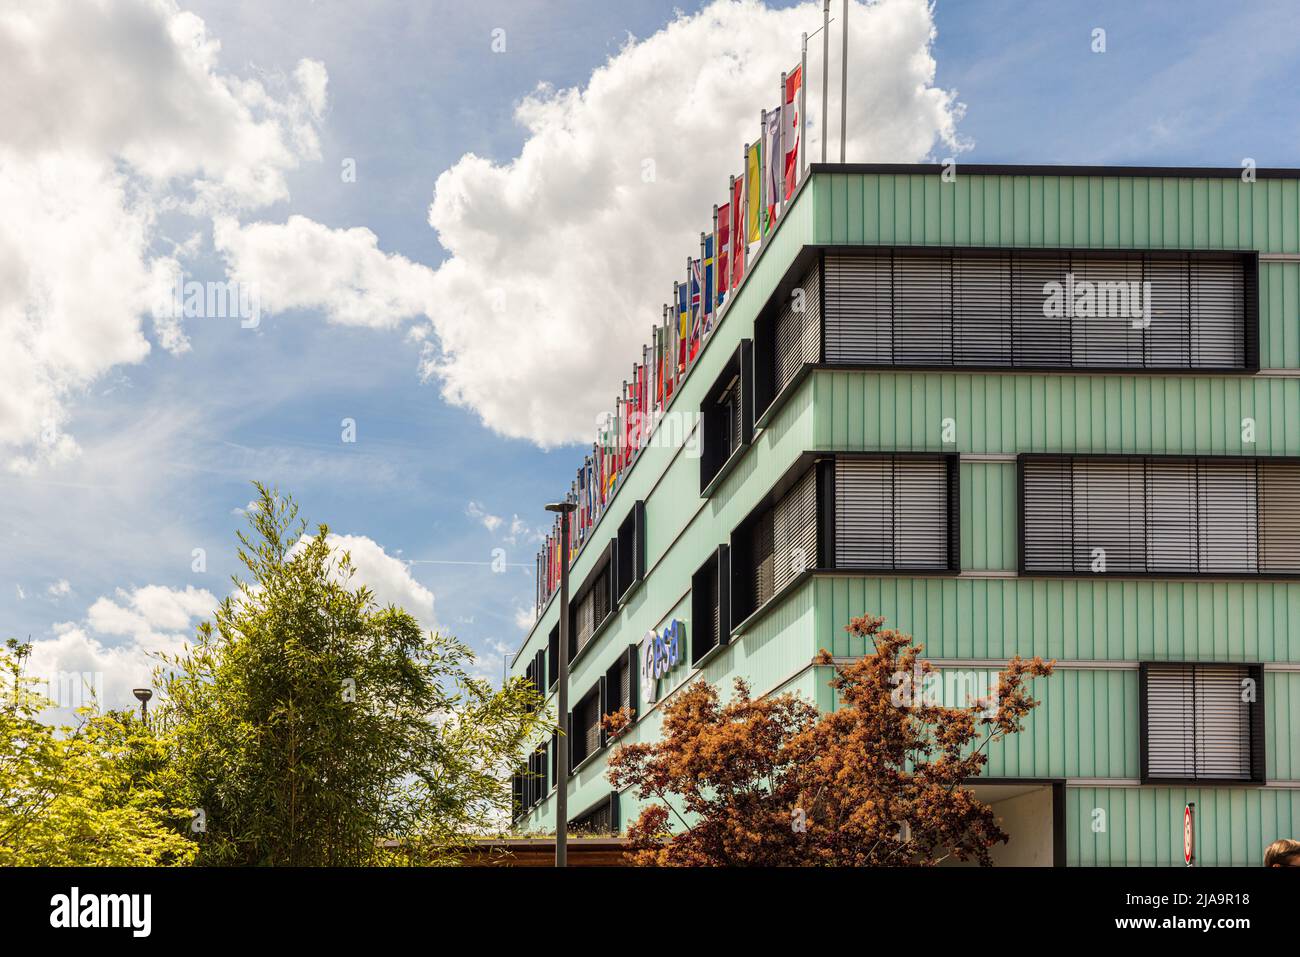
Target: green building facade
[{"x": 897, "y": 414}]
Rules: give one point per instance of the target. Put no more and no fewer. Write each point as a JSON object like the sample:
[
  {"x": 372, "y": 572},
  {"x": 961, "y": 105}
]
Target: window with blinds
[
  {"x": 726, "y": 416},
  {"x": 1035, "y": 309},
  {"x": 631, "y": 549},
  {"x": 895, "y": 512},
  {"x": 1165, "y": 515},
  {"x": 1201, "y": 722},
  {"x": 772, "y": 547},
  {"x": 553, "y": 657},
  {"x": 621, "y": 683},
  {"x": 586, "y": 737},
  {"x": 593, "y": 602},
  {"x": 601, "y": 818},
  {"x": 711, "y": 604}
]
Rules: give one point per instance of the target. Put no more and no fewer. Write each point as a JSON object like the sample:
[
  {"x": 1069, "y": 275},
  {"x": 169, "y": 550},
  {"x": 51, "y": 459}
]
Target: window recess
[
  {"x": 727, "y": 417},
  {"x": 1201, "y": 722},
  {"x": 1159, "y": 515}
]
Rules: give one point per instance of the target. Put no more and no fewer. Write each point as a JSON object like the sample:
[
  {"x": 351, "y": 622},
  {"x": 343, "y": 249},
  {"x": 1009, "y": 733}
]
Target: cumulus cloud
[
  {"x": 388, "y": 577},
  {"x": 301, "y": 264},
  {"x": 59, "y": 588},
  {"x": 114, "y": 649},
  {"x": 113, "y": 115},
  {"x": 561, "y": 258},
  {"x": 115, "y": 646},
  {"x": 490, "y": 522}
]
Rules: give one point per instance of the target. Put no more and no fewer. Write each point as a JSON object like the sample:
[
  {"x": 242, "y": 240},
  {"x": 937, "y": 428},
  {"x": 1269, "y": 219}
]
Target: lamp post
[
  {"x": 562, "y": 759},
  {"x": 143, "y": 695}
]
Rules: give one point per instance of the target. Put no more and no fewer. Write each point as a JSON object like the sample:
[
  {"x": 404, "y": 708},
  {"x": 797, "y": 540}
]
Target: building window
[
  {"x": 1042, "y": 309},
  {"x": 1009, "y": 309},
  {"x": 586, "y": 736},
  {"x": 1202, "y": 722},
  {"x": 536, "y": 670},
  {"x": 1166, "y": 515},
  {"x": 600, "y": 818},
  {"x": 727, "y": 416},
  {"x": 774, "y": 545},
  {"x": 895, "y": 512},
  {"x": 710, "y": 604},
  {"x": 630, "y": 551},
  {"x": 553, "y": 657},
  {"x": 529, "y": 786},
  {"x": 593, "y": 603},
  {"x": 621, "y": 683}
]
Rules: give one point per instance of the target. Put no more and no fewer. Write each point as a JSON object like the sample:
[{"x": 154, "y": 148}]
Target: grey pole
[
  {"x": 562, "y": 759},
  {"x": 803, "y": 112},
  {"x": 826, "y": 70},
  {"x": 844, "y": 84},
  {"x": 780, "y": 159}
]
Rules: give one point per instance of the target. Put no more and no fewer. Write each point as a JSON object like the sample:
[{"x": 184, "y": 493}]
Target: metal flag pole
[
  {"x": 699, "y": 319},
  {"x": 844, "y": 84},
  {"x": 744, "y": 209},
  {"x": 803, "y": 113},
  {"x": 716, "y": 296},
  {"x": 762, "y": 171},
  {"x": 826, "y": 70},
  {"x": 780, "y": 190}
]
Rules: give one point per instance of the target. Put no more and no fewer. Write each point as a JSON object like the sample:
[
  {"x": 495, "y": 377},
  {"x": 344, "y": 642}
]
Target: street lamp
[
  {"x": 143, "y": 695},
  {"x": 562, "y": 759}
]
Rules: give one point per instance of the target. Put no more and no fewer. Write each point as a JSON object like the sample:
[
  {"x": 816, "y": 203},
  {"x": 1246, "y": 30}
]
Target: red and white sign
[{"x": 1187, "y": 834}]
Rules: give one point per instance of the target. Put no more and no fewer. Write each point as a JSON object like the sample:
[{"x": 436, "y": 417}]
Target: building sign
[
  {"x": 1188, "y": 839},
  {"x": 660, "y": 652}
]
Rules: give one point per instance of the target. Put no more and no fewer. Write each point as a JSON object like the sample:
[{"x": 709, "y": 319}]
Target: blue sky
[{"x": 167, "y": 442}]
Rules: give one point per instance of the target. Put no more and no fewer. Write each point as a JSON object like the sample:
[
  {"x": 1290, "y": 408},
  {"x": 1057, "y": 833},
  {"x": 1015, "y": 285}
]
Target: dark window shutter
[
  {"x": 859, "y": 309},
  {"x": 891, "y": 512},
  {"x": 922, "y": 308},
  {"x": 1279, "y": 517},
  {"x": 632, "y": 670},
  {"x": 798, "y": 331},
  {"x": 1198, "y": 727},
  {"x": 553, "y": 657},
  {"x": 981, "y": 302}
]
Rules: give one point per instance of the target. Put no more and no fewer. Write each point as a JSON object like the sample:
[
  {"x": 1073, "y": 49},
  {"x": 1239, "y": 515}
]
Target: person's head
[{"x": 1283, "y": 852}]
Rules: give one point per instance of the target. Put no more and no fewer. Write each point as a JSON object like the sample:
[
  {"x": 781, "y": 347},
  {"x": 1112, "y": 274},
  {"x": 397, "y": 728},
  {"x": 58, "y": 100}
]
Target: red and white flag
[{"x": 791, "y": 115}]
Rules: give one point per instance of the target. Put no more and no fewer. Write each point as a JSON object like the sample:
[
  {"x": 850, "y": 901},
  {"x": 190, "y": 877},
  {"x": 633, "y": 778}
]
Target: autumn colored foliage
[{"x": 771, "y": 781}]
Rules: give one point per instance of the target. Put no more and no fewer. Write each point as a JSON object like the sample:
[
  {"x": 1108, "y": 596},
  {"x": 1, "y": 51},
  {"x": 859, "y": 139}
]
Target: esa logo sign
[{"x": 661, "y": 651}]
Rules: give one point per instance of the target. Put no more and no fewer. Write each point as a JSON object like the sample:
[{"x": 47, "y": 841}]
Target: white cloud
[
  {"x": 114, "y": 114},
  {"x": 301, "y": 264},
  {"x": 59, "y": 588},
  {"x": 115, "y": 646},
  {"x": 388, "y": 577},
  {"x": 562, "y": 257},
  {"x": 490, "y": 522}
]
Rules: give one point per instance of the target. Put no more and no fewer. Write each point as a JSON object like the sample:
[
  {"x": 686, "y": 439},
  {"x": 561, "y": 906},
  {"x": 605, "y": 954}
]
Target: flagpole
[
  {"x": 803, "y": 113},
  {"x": 744, "y": 215},
  {"x": 762, "y": 171},
  {"x": 844, "y": 84},
  {"x": 826, "y": 70},
  {"x": 717, "y": 271},
  {"x": 780, "y": 208},
  {"x": 704, "y": 295}
]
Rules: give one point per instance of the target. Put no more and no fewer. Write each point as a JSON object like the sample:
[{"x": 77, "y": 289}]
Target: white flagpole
[
  {"x": 780, "y": 190},
  {"x": 762, "y": 171},
  {"x": 803, "y": 114},
  {"x": 844, "y": 84},
  {"x": 826, "y": 70},
  {"x": 732, "y": 209}
]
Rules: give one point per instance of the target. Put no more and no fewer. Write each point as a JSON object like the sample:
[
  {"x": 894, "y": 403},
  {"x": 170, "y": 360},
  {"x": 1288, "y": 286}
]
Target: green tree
[
  {"x": 315, "y": 728},
  {"x": 101, "y": 792}
]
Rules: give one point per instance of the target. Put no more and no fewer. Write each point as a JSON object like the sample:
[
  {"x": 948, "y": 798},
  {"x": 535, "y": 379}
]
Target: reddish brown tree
[{"x": 880, "y": 781}]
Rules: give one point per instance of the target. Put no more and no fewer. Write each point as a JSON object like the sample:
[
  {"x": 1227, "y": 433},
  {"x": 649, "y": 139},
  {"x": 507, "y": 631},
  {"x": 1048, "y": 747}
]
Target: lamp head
[
  {"x": 562, "y": 507},
  {"x": 142, "y": 694}
]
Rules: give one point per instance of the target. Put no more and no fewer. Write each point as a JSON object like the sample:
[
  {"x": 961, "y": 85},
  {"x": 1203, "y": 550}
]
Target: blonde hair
[{"x": 1280, "y": 851}]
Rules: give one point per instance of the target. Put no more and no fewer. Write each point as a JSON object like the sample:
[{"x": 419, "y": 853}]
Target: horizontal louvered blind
[
  {"x": 891, "y": 512},
  {"x": 1052, "y": 309},
  {"x": 798, "y": 330},
  {"x": 1199, "y": 722},
  {"x": 783, "y": 540},
  {"x": 597, "y": 821},
  {"x": 585, "y": 618},
  {"x": 860, "y": 327},
  {"x": 589, "y": 723},
  {"x": 1160, "y": 515}
]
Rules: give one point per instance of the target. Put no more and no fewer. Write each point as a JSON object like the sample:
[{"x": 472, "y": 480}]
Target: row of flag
[{"x": 772, "y": 168}]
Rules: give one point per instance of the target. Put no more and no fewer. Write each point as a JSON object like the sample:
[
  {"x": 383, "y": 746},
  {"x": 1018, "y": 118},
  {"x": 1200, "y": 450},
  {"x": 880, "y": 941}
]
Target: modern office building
[{"x": 1016, "y": 410}]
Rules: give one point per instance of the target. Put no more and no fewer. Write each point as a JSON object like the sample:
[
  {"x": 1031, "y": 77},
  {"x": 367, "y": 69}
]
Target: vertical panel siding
[
  {"x": 1117, "y": 827},
  {"x": 1067, "y": 413},
  {"x": 1117, "y": 212},
  {"x": 1070, "y": 619},
  {"x": 988, "y": 516}
]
